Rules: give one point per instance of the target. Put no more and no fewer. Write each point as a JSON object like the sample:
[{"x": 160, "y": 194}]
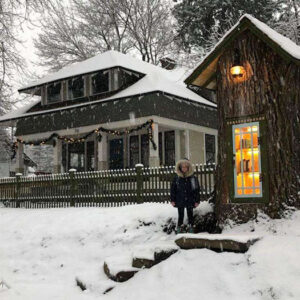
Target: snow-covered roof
[
  {"x": 281, "y": 41},
  {"x": 286, "y": 44},
  {"x": 155, "y": 79}
]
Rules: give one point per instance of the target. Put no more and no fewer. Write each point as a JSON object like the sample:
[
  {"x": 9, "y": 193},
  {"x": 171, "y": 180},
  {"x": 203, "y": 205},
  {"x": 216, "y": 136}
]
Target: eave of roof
[
  {"x": 247, "y": 22},
  {"x": 9, "y": 121}
]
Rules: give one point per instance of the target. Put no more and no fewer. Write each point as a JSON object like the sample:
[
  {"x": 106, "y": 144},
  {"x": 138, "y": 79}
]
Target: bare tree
[
  {"x": 79, "y": 29},
  {"x": 13, "y": 14},
  {"x": 289, "y": 20},
  {"x": 150, "y": 27}
]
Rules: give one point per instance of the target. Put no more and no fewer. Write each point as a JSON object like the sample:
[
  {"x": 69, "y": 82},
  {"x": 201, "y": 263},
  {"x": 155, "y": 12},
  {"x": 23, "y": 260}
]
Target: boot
[
  {"x": 179, "y": 229},
  {"x": 191, "y": 229}
]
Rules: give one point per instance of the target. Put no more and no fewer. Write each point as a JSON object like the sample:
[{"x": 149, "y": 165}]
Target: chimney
[{"x": 168, "y": 63}]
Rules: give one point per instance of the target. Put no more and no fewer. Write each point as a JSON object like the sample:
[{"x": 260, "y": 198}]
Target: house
[
  {"x": 114, "y": 111},
  {"x": 8, "y": 165},
  {"x": 255, "y": 73}
]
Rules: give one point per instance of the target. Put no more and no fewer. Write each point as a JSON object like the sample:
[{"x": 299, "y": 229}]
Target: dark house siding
[{"x": 157, "y": 104}]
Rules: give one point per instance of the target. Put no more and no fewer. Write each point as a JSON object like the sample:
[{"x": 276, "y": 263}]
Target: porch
[{"x": 173, "y": 139}]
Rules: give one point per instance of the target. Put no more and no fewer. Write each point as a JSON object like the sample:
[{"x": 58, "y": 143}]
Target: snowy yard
[{"x": 42, "y": 252}]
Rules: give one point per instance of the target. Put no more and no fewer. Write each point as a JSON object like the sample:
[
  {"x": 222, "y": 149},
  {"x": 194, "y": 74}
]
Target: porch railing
[{"x": 99, "y": 188}]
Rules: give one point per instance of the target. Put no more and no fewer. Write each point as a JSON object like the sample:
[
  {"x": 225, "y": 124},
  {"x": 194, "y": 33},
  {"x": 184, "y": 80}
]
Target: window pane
[
  {"x": 76, "y": 87},
  {"x": 127, "y": 78},
  {"x": 100, "y": 83},
  {"x": 210, "y": 148},
  {"x": 169, "y": 148},
  {"x": 64, "y": 157},
  {"x": 53, "y": 92},
  {"x": 90, "y": 156},
  {"x": 160, "y": 148},
  {"x": 134, "y": 150},
  {"x": 76, "y": 156},
  {"x": 145, "y": 149}
]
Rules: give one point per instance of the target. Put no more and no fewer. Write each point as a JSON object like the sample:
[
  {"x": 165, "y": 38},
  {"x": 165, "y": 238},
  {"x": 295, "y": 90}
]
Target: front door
[{"x": 116, "y": 155}]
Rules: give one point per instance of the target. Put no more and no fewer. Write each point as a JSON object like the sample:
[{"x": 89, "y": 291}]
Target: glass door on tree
[{"x": 247, "y": 162}]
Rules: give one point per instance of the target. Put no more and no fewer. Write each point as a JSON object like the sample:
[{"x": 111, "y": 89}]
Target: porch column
[
  {"x": 154, "y": 154},
  {"x": 20, "y": 159},
  {"x": 177, "y": 145},
  {"x": 187, "y": 143},
  {"x": 57, "y": 157},
  {"x": 102, "y": 153}
]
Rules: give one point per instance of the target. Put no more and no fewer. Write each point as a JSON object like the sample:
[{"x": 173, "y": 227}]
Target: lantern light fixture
[{"x": 237, "y": 70}]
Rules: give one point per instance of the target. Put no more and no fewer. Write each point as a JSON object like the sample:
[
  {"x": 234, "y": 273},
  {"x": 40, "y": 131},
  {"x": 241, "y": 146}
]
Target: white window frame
[{"x": 236, "y": 195}]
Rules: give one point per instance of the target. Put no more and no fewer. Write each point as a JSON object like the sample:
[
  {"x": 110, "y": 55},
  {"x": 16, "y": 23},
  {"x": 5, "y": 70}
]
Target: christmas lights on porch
[{"x": 70, "y": 140}]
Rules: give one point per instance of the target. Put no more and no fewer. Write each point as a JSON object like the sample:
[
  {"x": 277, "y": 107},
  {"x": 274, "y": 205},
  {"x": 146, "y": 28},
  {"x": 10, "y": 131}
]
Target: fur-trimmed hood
[{"x": 190, "y": 171}]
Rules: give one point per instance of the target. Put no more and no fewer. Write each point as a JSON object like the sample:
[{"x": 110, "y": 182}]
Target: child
[{"x": 185, "y": 193}]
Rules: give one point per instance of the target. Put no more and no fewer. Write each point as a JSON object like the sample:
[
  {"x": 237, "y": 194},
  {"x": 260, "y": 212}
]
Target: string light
[{"x": 54, "y": 136}]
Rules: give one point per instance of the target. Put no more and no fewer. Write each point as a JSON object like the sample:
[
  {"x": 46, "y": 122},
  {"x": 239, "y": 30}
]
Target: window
[
  {"x": 116, "y": 154},
  {"x": 128, "y": 78},
  {"x": 90, "y": 156},
  {"x": 160, "y": 148},
  {"x": 76, "y": 87},
  {"x": 246, "y": 151},
  {"x": 139, "y": 150},
  {"x": 145, "y": 149},
  {"x": 76, "y": 156},
  {"x": 210, "y": 148},
  {"x": 99, "y": 82},
  {"x": 54, "y": 92},
  {"x": 169, "y": 148},
  {"x": 134, "y": 150},
  {"x": 166, "y": 148},
  {"x": 79, "y": 156}
]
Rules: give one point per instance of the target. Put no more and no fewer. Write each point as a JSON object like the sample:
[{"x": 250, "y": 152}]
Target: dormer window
[
  {"x": 128, "y": 78},
  {"x": 75, "y": 88},
  {"x": 54, "y": 92},
  {"x": 99, "y": 82}
]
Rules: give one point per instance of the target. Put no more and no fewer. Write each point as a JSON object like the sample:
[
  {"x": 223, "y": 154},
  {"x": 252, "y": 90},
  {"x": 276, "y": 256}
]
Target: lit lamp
[{"x": 237, "y": 70}]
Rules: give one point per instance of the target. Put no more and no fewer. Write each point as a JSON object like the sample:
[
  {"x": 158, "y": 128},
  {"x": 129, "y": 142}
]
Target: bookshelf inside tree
[{"x": 246, "y": 152}]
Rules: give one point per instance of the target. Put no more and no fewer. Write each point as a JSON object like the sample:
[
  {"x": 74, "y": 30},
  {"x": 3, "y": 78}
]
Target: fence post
[
  {"x": 139, "y": 182},
  {"x": 18, "y": 188},
  {"x": 72, "y": 186}
]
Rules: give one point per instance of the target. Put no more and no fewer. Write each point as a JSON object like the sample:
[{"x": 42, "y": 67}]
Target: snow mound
[{"x": 43, "y": 252}]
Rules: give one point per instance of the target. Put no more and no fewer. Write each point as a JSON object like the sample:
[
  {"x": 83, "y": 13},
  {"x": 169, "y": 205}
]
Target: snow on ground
[{"x": 44, "y": 251}]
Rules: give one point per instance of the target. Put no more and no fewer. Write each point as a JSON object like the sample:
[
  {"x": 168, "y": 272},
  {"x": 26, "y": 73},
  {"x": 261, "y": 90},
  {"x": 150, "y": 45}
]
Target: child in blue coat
[{"x": 185, "y": 193}]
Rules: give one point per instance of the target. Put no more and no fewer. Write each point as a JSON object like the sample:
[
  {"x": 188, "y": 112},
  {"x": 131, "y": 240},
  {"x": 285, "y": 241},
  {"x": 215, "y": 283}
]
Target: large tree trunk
[{"x": 271, "y": 89}]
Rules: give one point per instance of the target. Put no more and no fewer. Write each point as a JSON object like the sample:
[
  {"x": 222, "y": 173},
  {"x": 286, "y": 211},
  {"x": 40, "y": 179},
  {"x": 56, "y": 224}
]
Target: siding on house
[{"x": 157, "y": 104}]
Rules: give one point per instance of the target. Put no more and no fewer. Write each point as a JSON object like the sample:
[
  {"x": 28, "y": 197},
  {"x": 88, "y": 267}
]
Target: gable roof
[
  {"x": 156, "y": 79},
  {"x": 282, "y": 45}
]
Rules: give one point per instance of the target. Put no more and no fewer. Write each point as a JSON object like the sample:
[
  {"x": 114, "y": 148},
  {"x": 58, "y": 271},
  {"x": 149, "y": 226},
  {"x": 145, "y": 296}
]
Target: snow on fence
[{"x": 98, "y": 188}]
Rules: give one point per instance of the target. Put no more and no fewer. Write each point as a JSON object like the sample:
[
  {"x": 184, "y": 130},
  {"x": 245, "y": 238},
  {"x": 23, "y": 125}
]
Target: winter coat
[{"x": 185, "y": 187}]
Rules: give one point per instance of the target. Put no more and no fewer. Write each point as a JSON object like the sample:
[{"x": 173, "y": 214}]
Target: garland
[{"x": 54, "y": 136}]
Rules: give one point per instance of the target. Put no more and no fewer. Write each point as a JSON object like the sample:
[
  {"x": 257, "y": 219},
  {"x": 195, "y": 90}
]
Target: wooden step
[{"x": 216, "y": 242}]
